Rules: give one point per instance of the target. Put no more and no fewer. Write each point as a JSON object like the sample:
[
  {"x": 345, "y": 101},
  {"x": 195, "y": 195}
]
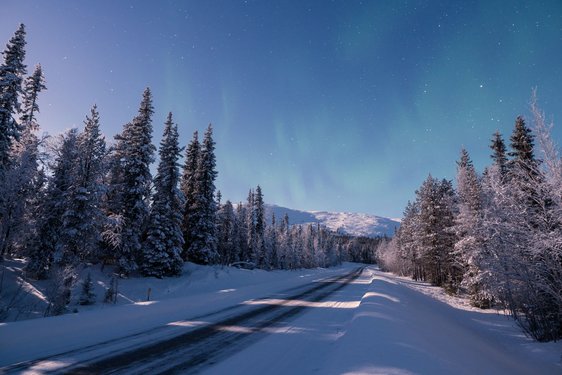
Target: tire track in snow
[{"x": 170, "y": 352}]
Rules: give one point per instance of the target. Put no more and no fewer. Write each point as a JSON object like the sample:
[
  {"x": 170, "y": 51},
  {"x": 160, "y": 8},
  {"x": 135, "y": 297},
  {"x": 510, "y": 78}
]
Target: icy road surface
[{"x": 361, "y": 321}]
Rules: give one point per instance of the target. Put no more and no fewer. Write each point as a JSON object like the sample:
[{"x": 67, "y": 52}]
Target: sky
[{"x": 327, "y": 105}]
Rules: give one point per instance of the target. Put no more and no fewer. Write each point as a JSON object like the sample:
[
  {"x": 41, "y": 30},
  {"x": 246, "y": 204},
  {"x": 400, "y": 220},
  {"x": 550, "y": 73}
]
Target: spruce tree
[
  {"x": 469, "y": 245},
  {"x": 83, "y": 220},
  {"x": 130, "y": 187},
  {"x": 259, "y": 227},
  {"x": 499, "y": 152},
  {"x": 18, "y": 188},
  {"x": 251, "y": 228},
  {"x": 45, "y": 246},
  {"x": 12, "y": 72},
  {"x": 226, "y": 233},
  {"x": 187, "y": 186},
  {"x": 163, "y": 246},
  {"x": 87, "y": 294},
  {"x": 522, "y": 144},
  {"x": 203, "y": 248}
]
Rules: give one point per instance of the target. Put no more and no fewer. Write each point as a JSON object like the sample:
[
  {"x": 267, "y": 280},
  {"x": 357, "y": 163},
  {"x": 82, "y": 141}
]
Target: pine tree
[
  {"x": 499, "y": 152},
  {"x": 45, "y": 246},
  {"x": 251, "y": 245},
  {"x": 163, "y": 246},
  {"x": 12, "y": 72},
  {"x": 259, "y": 227},
  {"x": 272, "y": 244},
  {"x": 83, "y": 220},
  {"x": 226, "y": 233},
  {"x": 130, "y": 189},
  {"x": 203, "y": 248},
  {"x": 436, "y": 241},
  {"x": 87, "y": 295},
  {"x": 18, "y": 188},
  {"x": 469, "y": 250},
  {"x": 187, "y": 186},
  {"x": 522, "y": 144},
  {"x": 241, "y": 228}
]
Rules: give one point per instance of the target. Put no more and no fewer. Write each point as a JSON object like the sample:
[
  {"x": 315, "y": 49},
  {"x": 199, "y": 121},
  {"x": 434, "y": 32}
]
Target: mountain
[{"x": 355, "y": 224}]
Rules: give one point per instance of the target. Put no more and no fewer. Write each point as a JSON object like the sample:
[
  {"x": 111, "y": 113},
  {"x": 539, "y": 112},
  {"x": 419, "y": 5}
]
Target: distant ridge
[{"x": 355, "y": 224}]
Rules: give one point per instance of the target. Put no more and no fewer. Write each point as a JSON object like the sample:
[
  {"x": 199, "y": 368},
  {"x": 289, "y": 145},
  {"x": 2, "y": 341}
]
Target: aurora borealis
[{"x": 328, "y": 105}]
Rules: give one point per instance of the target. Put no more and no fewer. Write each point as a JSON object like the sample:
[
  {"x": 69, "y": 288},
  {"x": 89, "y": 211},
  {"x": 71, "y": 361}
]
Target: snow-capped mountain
[{"x": 355, "y": 224}]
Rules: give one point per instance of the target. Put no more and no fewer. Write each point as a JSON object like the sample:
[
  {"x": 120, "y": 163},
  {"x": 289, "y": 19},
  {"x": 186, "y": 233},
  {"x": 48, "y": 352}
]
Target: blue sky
[{"x": 328, "y": 105}]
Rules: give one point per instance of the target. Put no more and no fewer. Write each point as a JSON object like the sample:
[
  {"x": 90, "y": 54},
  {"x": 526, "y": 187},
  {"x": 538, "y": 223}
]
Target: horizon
[{"x": 330, "y": 106}]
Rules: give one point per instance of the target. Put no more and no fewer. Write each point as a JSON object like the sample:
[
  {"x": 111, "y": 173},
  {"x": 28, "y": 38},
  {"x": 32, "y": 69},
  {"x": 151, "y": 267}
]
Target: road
[
  {"x": 207, "y": 339},
  {"x": 363, "y": 322}
]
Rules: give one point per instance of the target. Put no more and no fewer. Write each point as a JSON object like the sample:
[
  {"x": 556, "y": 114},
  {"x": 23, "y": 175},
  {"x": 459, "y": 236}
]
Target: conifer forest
[{"x": 77, "y": 199}]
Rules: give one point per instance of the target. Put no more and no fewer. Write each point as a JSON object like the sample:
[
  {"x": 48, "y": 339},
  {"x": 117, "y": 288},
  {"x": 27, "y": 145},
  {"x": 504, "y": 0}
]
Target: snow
[
  {"x": 355, "y": 224},
  {"x": 378, "y": 324},
  {"x": 395, "y": 326},
  {"x": 204, "y": 289}
]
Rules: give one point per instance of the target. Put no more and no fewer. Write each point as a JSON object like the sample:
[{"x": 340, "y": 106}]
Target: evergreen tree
[
  {"x": 522, "y": 144},
  {"x": 83, "y": 220},
  {"x": 226, "y": 233},
  {"x": 130, "y": 187},
  {"x": 18, "y": 188},
  {"x": 163, "y": 245},
  {"x": 45, "y": 246},
  {"x": 33, "y": 85},
  {"x": 203, "y": 248},
  {"x": 251, "y": 229},
  {"x": 87, "y": 295},
  {"x": 259, "y": 227},
  {"x": 272, "y": 244},
  {"x": 499, "y": 152},
  {"x": 241, "y": 228},
  {"x": 12, "y": 72},
  {"x": 188, "y": 183},
  {"x": 436, "y": 241},
  {"x": 469, "y": 251}
]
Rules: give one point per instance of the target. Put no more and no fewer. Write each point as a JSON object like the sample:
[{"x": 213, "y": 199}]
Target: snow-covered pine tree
[
  {"x": 12, "y": 72},
  {"x": 83, "y": 220},
  {"x": 251, "y": 227},
  {"x": 203, "y": 248},
  {"x": 469, "y": 249},
  {"x": 241, "y": 227},
  {"x": 45, "y": 246},
  {"x": 187, "y": 186},
  {"x": 259, "y": 228},
  {"x": 226, "y": 233},
  {"x": 272, "y": 243},
  {"x": 20, "y": 183},
  {"x": 499, "y": 152},
  {"x": 130, "y": 190},
  {"x": 163, "y": 245},
  {"x": 87, "y": 294},
  {"x": 436, "y": 240}
]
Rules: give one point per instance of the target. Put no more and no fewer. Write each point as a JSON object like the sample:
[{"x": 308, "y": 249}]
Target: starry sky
[{"x": 328, "y": 105}]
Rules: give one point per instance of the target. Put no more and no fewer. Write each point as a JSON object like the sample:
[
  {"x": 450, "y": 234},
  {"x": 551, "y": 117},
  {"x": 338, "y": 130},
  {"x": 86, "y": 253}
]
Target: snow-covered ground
[
  {"x": 378, "y": 324},
  {"x": 383, "y": 324}
]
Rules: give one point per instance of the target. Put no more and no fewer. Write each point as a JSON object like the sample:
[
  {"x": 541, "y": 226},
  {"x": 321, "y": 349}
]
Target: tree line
[
  {"x": 498, "y": 236},
  {"x": 73, "y": 200}
]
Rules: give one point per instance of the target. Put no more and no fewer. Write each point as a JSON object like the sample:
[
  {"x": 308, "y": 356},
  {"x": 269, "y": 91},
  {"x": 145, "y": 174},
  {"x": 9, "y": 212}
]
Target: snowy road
[
  {"x": 361, "y": 321},
  {"x": 186, "y": 346},
  {"x": 383, "y": 324}
]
